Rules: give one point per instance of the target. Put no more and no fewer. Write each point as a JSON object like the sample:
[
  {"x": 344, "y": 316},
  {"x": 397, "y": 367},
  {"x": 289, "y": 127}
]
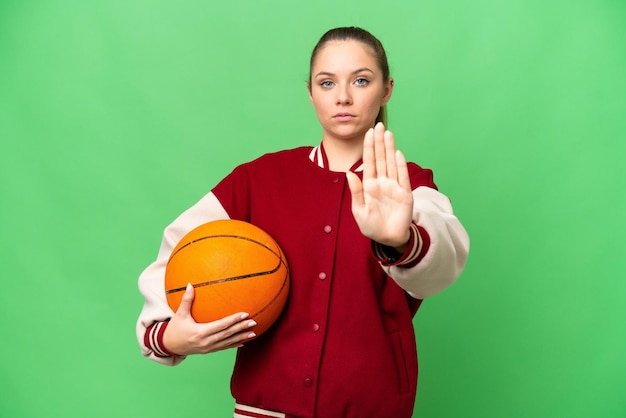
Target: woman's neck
[{"x": 342, "y": 154}]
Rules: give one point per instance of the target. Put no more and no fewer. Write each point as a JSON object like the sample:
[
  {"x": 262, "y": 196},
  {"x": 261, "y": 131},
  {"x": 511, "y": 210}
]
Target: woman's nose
[{"x": 343, "y": 96}]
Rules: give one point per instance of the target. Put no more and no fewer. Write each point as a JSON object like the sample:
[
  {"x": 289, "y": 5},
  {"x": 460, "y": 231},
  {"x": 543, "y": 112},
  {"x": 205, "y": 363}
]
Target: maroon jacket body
[{"x": 344, "y": 345}]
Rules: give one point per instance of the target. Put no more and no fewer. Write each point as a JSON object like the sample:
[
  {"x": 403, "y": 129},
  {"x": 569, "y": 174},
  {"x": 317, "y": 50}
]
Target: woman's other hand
[{"x": 185, "y": 336}]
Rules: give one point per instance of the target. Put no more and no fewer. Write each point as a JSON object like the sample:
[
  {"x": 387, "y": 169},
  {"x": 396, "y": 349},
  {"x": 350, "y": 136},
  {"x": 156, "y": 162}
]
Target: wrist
[
  {"x": 407, "y": 255},
  {"x": 405, "y": 243},
  {"x": 400, "y": 245}
]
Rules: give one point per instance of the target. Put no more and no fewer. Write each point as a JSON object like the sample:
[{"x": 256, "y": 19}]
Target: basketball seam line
[
  {"x": 224, "y": 236},
  {"x": 229, "y": 279}
]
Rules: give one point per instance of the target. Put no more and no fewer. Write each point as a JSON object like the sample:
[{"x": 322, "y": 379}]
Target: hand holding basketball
[
  {"x": 185, "y": 336},
  {"x": 382, "y": 203},
  {"x": 233, "y": 266}
]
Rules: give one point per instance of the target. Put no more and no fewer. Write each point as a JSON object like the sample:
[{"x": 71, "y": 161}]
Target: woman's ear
[{"x": 388, "y": 89}]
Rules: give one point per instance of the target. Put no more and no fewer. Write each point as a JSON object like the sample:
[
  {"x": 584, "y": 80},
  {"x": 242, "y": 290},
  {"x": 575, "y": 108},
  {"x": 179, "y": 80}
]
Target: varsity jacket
[{"x": 344, "y": 345}]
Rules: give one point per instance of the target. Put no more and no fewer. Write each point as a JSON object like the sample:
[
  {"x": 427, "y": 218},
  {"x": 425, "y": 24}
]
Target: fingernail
[
  {"x": 189, "y": 287},
  {"x": 251, "y": 335},
  {"x": 244, "y": 315},
  {"x": 251, "y": 323}
]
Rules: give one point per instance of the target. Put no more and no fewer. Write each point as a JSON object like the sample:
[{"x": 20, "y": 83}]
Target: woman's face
[{"x": 347, "y": 89}]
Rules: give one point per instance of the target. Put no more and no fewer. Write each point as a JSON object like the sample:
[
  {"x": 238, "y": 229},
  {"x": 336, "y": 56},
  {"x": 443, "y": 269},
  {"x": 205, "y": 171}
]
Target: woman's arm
[
  {"x": 416, "y": 237},
  {"x": 165, "y": 336},
  {"x": 439, "y": 247}
]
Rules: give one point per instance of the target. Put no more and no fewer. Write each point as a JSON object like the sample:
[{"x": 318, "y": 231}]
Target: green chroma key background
[{"x": 115, "y": 116}]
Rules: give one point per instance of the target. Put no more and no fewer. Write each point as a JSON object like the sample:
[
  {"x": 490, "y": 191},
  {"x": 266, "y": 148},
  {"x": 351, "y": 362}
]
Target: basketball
[{"x": 233, "y": 266}]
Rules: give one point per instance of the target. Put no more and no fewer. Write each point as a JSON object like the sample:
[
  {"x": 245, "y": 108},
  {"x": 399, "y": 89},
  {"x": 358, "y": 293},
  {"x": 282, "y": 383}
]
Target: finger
[
  {"x": 403, "y": 171},
  {"x": 237, "y": 333},
  {"x": 234, "y": 341},
  {"x": 230, "y": 336},
  {"x": 390, "y": 153},
  {"x": 228, "y": 322},
  {"x": 379, "y": 150},
  {"x": 369, "y": 167},
  {"x": 186, "y": 302},
  {"x": 356, "y": 188}
]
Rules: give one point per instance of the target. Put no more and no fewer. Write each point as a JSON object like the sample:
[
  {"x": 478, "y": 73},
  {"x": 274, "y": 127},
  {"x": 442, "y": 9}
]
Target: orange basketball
[{"x": 233, "y": 266}]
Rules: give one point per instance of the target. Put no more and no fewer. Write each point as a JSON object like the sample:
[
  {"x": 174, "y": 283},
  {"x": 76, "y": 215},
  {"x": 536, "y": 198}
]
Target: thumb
[
  {"x": 187, "y": 300},
  {"x": 356, "y": 188}
]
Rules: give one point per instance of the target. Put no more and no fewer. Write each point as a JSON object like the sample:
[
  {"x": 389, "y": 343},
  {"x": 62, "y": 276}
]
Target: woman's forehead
[{"x": 342, "y": 56}]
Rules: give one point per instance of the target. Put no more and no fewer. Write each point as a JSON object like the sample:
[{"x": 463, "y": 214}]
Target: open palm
[{"x": 382, "y": 203}]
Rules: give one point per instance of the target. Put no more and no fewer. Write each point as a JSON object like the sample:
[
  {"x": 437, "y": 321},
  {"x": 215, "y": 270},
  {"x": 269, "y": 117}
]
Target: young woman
[{"x": 367, "y": 237}]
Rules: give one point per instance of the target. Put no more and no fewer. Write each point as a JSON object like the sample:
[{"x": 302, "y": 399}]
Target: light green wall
[{"x": 117, "y": 115}]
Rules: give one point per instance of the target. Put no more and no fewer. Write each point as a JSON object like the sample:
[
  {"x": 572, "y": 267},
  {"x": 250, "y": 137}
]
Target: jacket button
[
  {"x": 316, "y": 327},
  {"x": 308, "y": 382},
  {"x": 322, "y": 276},
  {"x": 328, "y": 229}
]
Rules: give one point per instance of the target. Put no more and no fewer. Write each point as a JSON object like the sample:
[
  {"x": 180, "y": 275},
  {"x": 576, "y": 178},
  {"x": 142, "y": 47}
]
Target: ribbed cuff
[
  {"x": 153, "y": 339},
  {"x": 419, "y": 241}
]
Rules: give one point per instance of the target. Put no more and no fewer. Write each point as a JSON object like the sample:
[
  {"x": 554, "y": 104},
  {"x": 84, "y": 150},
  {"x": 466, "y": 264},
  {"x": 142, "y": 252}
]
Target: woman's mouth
[{"x": 343, "y": 117}]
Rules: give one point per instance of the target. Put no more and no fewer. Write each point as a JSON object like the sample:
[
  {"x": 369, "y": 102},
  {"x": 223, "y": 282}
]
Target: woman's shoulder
[
  {"x": 287, "y": 156},
  {"x": 420, "y": 176},
  {"x": 297, "y": 152}
]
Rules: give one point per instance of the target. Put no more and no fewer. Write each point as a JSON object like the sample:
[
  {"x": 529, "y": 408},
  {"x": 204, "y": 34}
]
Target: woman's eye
[
  {"x": 361, "y": 81},
  {"x": 326, "y": 83}
]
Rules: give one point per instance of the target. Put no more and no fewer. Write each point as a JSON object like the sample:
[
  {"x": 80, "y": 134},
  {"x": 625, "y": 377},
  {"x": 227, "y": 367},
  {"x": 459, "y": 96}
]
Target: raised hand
[
  {"x": 382, "y": 204},
  {"x": 185, "y": 336}
]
